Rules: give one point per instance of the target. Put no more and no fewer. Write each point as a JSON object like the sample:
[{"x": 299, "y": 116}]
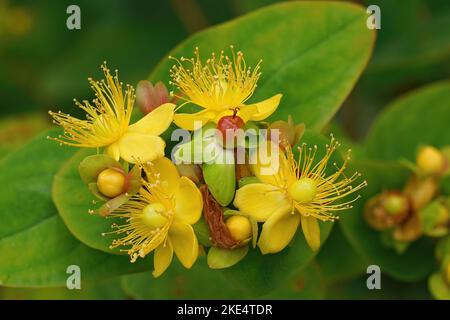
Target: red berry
[{"x": 230, "y": 123}]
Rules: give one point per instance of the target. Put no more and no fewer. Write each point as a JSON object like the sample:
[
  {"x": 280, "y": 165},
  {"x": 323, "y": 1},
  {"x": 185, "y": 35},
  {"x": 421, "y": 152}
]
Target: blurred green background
[{"x": 43, "y": 66}]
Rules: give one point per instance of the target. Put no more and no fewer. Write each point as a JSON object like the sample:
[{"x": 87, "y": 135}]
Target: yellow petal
[
  {"x": 260, "y": 200},
  {"x": 168, "y": 174},
  {"x": 113, "y": 151},
  {"x": 278, "y": 230},
  {"x": 184, "y": 243},
  {"x": 311, "y": 231},
  {"x": 187, "y": 120},
  {"x": 188, "y": 201},
  {"x": 266, "y": 107},
  {"x": 162, "y": 258},
  {"x": 143, "y": 147},
  {"x": 270, "y": 165},
  {"x": 155, "y": 122}
]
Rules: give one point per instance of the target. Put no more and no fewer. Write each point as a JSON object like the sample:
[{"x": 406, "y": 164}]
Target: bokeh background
[{"x": 43, "y": 66}]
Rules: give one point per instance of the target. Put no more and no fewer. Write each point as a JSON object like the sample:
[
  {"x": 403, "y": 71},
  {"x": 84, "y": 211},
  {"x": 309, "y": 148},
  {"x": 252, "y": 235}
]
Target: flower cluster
[
  {"x": 418, "y": 209},
  {"x": 266, "y": 191}
]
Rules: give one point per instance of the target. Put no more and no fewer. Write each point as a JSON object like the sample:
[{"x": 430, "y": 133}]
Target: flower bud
[
  {"x": 192, "y": 171},
  {"x": 409, "y": 230},
  {"x": 421, "y": 191},
  {"x": 111, "y": 182},
  {"x": 303, "y": 190},
  {"x": 240, "y": 227},
  {"x": 430, "y": 160},
  {"x": 152, "y": 215},
  {"x": 290, "y": 134},
  {"x": 150, "y": 97},
  {"x": 435, "y": 219},
  {"x": 386, "y": 210}
]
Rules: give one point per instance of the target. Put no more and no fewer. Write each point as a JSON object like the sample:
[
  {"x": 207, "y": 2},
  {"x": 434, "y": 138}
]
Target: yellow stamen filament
[
  {"x": 106, "y": 120},
  {"x": 137, "y": 234},
  {"x": 221, "y": 83},
  {"x": 329, "y": 188}
]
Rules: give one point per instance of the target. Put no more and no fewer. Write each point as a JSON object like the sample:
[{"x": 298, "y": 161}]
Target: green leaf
[
  {"x": 438, "y": 287},
  {"x": 444, "y": 186},
  {"x": 338, "y": 260},
  {"x": 202, "y": 232},
  {"x": 35, "y": 246},
  {"x": 16, "y": 130},
  {"x": 73, "y": 200},
  {"x": 305, "y": 285},
  {"x": 418, "y": 260},
  {"x": 313, "y": 57},
  {"x": 356, "y": 289},
  {"x": 418, "y": 118},
  {"x": 103, "y": 290},
  {"x": 176, "y": 282},
  {"x": 219, "y": 258}
]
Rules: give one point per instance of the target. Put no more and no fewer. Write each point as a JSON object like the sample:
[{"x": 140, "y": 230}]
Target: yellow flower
[
  {"x": 296, "y": 192},
  {"x": 221, "y": 86},
  {"x": 160, "y": 217},
  {"x": 107, "y": 123}
]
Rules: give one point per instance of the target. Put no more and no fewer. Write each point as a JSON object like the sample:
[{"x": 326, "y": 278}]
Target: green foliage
[
  {"x": 313, "y": 52},
  {"x": 199, "y": 282},
  {"x": 35, "y": 245},
  {"x": 73, "y": 200},
  {"x": 418, "y": 118},
  {"x": 108, "y": 289},
  {"x": 314, "y": 65}
]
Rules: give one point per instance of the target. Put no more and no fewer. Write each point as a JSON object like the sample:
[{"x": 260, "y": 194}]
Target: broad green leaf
[
  {"x": 404, "y": 58},
  {"x": 176, "y": 282},
  {"x": 356, "y": 289},
  {"x": 438, "y": 287},
  {"x": 418, "y": 260},
  {"x": 337, "y": 260},
  {"x": 313, "y": 53},
  {"x": 35, "y": 246},
  {"x": 421, "y": 117},
  {"x": 73, "y": 200},
  {"x": 110, "y": 289},
  {"x": 305, "y": 285},
  {"x": 18, "y": 129}
]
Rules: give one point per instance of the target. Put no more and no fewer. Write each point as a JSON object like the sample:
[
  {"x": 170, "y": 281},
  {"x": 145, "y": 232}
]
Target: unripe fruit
[
  {"x": 230, "y": 124},
  {"x": 395, "y": 204},
  {"x": 240, "y": 227},
  {"x": 303, "y": 190},
  {"x": 111, "y": 183},
  {"x": 430, "y": 160},
  {"x": 152, "y": 215}
]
